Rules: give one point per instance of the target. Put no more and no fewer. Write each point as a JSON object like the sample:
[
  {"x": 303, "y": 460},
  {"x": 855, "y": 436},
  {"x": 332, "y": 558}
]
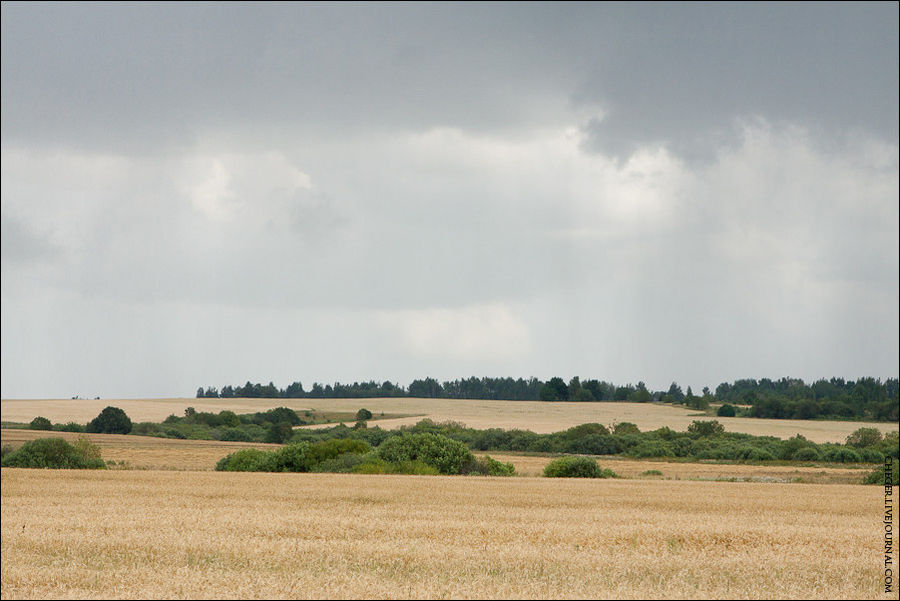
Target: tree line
[{"x": 786, "y": 398}]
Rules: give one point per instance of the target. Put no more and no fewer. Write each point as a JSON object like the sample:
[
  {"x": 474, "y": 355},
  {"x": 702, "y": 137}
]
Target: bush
[
  {"x": 55, "y": 453},
  {"x": 342, "y": 464},
  {"x": 587, "y": 430},
  {"x": 247, "y": 460},
  {"x": 279, "y": 433},
  {"x": 757, "y": 454},
  {"x": 726, "y": 410},
  {"x": 842, "y": 455},
  {"x": 111, "y": 420},
  {"x": 40, "y": 423},
  {"x": 235, "y": 435},
  {"x": 871, "y": 456},
  {"x": 448, "y": 456},
  {"x": 488, "y": 466},
  {"x": 864, "y": 437},
  {"x": 625, "y": 428},
  {"x": 790, "y": 446},
  {"x": 68, "y": 427},
  {"x": 330, "y": 449},
  {"x": 706, "y": 428},
  {"x": 363, "y": 415},
  {"x": 292, "y": 458},
  {"x": 229, "y": 418},
  {"x": 652, "y": 448},
  {"x": 806, "y": 454},
  {"x": 876, "y": 476},
  {"x": 573, "y": 467},
  {"x": 414, "y": 468}
]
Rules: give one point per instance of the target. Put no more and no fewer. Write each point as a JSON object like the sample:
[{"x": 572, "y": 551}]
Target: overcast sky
[{"x": 200, "y": 195}]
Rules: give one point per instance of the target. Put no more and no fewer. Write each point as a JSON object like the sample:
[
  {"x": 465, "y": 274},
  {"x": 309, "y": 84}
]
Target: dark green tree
[
  {"x": 111, "y": 420},
  {"x": 726, "y": 410},
  {"x": 555, "y": 390},
  {"x": 40, "y": 423}
]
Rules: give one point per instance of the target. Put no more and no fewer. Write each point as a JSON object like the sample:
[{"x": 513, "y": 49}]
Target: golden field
[
  {"x": 536, "y": 416},
  {"x": 153, "y": 534}
]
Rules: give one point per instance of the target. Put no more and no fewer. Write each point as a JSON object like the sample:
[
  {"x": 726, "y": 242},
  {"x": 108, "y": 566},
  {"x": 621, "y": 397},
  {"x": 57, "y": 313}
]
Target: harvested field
[
  {"x": 530, "y": 465},
  {"x": 147, "y": 534},
  {"x": 528, "y": 415}
]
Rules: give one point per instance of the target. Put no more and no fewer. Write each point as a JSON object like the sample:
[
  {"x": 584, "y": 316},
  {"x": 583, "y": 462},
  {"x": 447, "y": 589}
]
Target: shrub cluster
[
  {"x": 576, "y": 467},
  {"x": 410, "y": 454},
  {"x": 55, "y": 453},
  {"x": 273, "y": 426},
  {"x": 876, "y": 476}
]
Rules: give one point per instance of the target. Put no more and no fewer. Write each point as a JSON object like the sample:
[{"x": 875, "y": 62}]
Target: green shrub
[
  {"x": 376, "y": 465},
  {"x": 573, "y": 467},
  {"x": 890, "y": 445},
  {"x": 876, "y": 476},
  {"x": 229, "y": 419},
  {"x": 40, "y": 423},
  {"x": 247, "y": 460},
  {"x": 871, "y": 456},
  {"x": 488, "y": 466},
  {"x": 842, "y": 455},
  {"x": 625, "y": 428},
  {"x": 291, "y": 458},
  {"x": 363, "y": 415},
  {"x": 329, "y": 449},
  {"x": 864, "y": 437},
  {"x": 279, "y": 433},
  {"x": 415, "y": 468},
  {"x": 806, "y": 454},
  {"x": 111, "y": 420},
  {"x": 757, "y": 454},
  {"x": 68, "y": 427},
  {"x": 448, "y": 456},
  {"x": 6, "y": 450},
  {"x": 55, "y": 453},
  {"x": 706, "y": 428},
  {"x": 587, "y": 430},
  {"x": 726, "y": 410},
  {"x": 235, "y": 435},
  {"x": 342, "y": 464},
  {"x": 790, "y": 446},
  {"x": 652, "y": 473},
  {"x": 373, "y": 465},
  {"x": 652, "y": 448}
]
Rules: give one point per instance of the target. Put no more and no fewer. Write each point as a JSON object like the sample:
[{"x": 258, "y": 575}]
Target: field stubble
[{"x": 148, "y": 534}]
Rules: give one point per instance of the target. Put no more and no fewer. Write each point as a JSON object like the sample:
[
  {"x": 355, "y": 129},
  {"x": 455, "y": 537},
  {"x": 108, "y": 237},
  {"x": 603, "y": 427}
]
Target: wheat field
[
  {"x": 540, "y": 417},
  {"x": 152, "y": 534}
]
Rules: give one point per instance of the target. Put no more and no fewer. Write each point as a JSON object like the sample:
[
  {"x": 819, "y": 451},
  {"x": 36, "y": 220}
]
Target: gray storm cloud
[{"x": 202, "y": 194}]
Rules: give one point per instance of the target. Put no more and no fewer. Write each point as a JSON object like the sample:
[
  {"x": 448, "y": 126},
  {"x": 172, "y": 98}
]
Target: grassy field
[
  {"x": 529, "y": 415},
  {"x": 151, "y": 534}
]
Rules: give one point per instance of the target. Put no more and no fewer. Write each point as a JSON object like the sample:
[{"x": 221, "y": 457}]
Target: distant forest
[{"x": 787, "y": 398}]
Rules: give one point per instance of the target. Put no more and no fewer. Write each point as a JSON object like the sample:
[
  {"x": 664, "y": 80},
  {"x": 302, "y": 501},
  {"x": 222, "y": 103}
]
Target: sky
[{"x": 206, "y": 194}]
